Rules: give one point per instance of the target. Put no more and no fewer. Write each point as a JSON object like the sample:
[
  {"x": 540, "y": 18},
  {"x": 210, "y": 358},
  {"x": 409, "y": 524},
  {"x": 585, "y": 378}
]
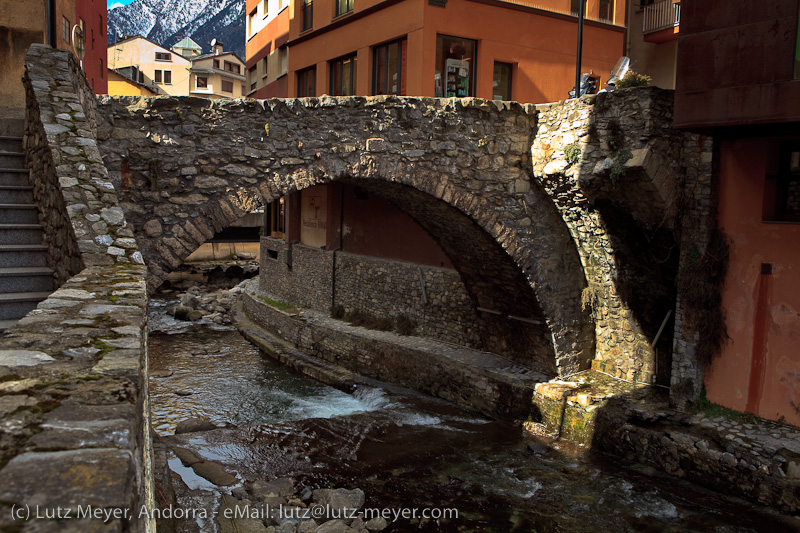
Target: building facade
[
  {"x": 267, "y": 52},
  {"x": 748, "y": 98},
  {"x": 487, "y": 49},
  {"x": 51, "y": 22},
  {"x": 216, "y": 75},
  {"x": 653, "y": 28}
]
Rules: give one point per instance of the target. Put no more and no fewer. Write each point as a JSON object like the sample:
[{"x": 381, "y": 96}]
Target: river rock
[
  {"x": 187, "y": 457},
  {"x": 377, "y": 524},
  {"x": 214, "y": 472},
  {"x": 341, "y": 502},
  {"x": 193, "y": 425},
  {"x": 333, "y": 526}
]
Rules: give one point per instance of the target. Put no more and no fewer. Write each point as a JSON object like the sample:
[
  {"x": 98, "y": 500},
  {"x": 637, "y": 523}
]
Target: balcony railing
[{"x": 661, "y": 15}]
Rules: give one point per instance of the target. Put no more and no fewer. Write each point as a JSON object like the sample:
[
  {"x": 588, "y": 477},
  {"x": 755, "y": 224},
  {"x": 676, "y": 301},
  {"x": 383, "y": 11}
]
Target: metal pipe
[
  {"x": 528, "y": 320},
  {"x": 581, "y": 14},
  {"x": 490, "y": 311}
]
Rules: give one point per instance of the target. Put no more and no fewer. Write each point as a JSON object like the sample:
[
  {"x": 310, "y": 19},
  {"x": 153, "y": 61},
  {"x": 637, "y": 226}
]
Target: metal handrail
[{"x": 660, "y": 16}]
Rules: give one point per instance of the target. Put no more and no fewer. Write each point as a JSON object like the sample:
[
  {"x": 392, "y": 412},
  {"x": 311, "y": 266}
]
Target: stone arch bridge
[
  {"x": 569, "y": 213},
  {"x": 561, "y": 214}
]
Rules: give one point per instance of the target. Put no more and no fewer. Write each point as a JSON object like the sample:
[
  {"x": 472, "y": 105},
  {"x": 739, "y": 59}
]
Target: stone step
[
  {"x": 19, "y": 214},
  {"x": 23, "y": 255},
  {"x": 26, "y": 279},
  {"x": 17, "y": 177},
  {"x": 16, "y": 194},
  {"x": 5, "y": 324},
  {"x": 10, "y": 144},
  {"x": 21, "y": 234},
  {"x": 15, "y": 305},
  {"x": 9, "y": 159},
  {"x": 14, "y": 127}
]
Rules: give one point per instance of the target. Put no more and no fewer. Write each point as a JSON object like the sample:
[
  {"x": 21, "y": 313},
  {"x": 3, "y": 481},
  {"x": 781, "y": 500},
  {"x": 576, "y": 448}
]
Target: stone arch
[{"x": 188, "y": 167}]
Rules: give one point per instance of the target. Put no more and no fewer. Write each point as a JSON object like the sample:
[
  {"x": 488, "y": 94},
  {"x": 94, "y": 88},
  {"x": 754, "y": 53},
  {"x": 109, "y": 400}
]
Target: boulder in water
[{"x": 193, "y": 425}]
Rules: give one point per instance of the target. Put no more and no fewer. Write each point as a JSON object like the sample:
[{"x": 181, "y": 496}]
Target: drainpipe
[{"x": 581, "y": 14}]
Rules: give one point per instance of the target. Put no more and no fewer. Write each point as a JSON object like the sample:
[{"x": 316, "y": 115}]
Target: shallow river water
[{"x": 403, "y": 449}]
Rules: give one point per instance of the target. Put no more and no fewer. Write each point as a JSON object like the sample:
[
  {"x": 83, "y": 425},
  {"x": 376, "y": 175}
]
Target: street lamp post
[{"x": 581, "y": 14}]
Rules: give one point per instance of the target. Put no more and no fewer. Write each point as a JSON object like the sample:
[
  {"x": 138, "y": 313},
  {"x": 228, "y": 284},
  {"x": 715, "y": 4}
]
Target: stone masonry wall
[
  {"x": 381, "y": 287},
  {"x": 306, "y": 283},
  {"x": 407, "y": 361},
  {"x": 611, "y": 164},
  {"x": 74, "y": 413},
  {"x": 698, "y": 222},
  {"x": 395, "y": 289},
  {"x": 188, "y": 167}
]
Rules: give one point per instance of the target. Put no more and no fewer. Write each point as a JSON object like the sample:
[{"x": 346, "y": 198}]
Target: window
[
  {"x": 782, "y": 186},
  {"x": 216, "y": 63},
  {"x": 308, "y": 15},
  {"x": 232, "y": 67},
  {"x": 389, "y": 68},
  {"x": 252, "y": 76},
  {"x": 306, "y": 82},
  {"x": 163, "y": 56},
  {"x": 227, "y": 86},
  {"x": 266, "y": 72},
  {"x": 102, "y": 70},
  {"x": 501, "y": 81},
  {"x": 201, "y": 82},
  {"x": 343, "y": 76},
  {"x": 276, "y": 218},
  {"x": 455, "y": 66},
  {"x": 575, "y": 7},
  {"x": 265, "y": 8},
  {"x": 100, "y": 24},
  {"x": 343, "y": 6},
  {"x": 158, "y": 76},
  {"x": 251, "y": 22},
  {"x": 168, "y": 77},
  {"x": 65, "y": 27},
  {"x": 606, "y": 10}
]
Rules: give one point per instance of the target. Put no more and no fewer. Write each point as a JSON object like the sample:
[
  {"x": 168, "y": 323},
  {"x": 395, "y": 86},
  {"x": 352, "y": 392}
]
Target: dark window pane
[{"x": 501, "y": 82}]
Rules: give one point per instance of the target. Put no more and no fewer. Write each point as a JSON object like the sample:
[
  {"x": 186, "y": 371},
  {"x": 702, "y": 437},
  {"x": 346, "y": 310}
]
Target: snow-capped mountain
[{"x": 168, "y": 21}]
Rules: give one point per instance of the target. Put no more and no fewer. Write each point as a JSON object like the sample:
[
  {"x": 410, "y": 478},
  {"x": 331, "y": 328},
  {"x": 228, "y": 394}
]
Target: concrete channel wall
[{"x": 74, "y": 432}]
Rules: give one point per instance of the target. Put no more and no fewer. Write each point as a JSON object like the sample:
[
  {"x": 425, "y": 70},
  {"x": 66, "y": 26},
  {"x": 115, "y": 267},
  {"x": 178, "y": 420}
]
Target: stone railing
[{"x": 73, "y": 373}]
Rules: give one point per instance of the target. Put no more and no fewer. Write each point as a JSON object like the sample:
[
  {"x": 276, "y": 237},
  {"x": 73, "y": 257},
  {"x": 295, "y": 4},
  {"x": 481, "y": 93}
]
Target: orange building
[
  {"x": 484, "y": 48},
  {"x": 267, "y": 54},
  {"x": 739, "y": 80}
]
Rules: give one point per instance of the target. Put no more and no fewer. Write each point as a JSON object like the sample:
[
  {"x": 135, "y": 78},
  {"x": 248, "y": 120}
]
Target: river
[{"x": 403, "y": 449}]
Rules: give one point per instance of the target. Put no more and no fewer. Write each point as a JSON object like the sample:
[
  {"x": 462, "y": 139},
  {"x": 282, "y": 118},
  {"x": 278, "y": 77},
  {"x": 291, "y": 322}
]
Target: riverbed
[{"x": 403, "y": 449}]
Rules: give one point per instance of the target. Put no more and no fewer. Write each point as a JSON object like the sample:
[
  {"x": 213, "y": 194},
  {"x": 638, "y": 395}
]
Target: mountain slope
[{"x": 168, "y": 21}]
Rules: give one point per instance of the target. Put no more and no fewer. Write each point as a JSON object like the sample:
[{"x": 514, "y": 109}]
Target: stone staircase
[{"x": 25, "y": 279}]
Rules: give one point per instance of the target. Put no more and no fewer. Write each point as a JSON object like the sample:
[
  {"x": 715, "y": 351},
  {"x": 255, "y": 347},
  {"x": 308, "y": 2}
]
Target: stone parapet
[{"x": 73, "y": 372}]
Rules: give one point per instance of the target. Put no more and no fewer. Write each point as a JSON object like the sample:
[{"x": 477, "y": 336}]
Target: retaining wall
[{"x": 73, "y": 373}]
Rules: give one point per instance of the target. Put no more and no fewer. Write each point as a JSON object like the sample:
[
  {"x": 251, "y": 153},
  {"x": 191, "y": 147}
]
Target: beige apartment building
[
  {"x": 219, "y": 74},
  {"x": 145, "y": 62}
]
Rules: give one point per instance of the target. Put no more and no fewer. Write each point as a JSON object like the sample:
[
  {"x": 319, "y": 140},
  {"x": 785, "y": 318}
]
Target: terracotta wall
[
  {"x": 94, "y": 14},
  {"x": 759, "y": 368}
]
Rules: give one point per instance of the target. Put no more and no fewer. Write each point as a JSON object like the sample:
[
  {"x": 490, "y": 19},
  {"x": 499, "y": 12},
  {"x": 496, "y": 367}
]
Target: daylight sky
[{"x": 117, "y": 3}]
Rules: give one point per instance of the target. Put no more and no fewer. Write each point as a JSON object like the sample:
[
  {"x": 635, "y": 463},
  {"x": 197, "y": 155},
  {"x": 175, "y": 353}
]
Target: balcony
[{"x": 661, "y": 21}]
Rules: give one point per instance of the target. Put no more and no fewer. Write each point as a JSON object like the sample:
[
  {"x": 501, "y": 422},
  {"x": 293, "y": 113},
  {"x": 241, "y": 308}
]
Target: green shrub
[
  {"x": 572, "y": 152},
  {"x": 633, "y": 79}
]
